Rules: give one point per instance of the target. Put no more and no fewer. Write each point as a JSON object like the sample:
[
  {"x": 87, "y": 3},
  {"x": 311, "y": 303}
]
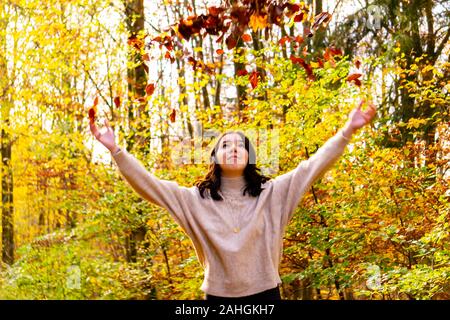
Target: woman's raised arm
[
  {"x": 292, "y": 185},
  {"x": 164, "y": 193}
]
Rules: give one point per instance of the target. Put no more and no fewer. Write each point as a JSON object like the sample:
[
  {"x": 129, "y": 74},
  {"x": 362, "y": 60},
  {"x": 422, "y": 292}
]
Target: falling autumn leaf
[
  {"x": 354, "y": 78},
  {"x": 299, "y": 39},
  {"x": 149, "y": 89},
  {"x": 254, "y": 79},
  {"x": 117, "y": 101},
  {"x": 219, "y": 52},
  {"x": 95, "y": 101},
  {"x": 92, "y": 113},
  {"x": 357, "y": 63},
  {"x": 242, "y": 72},
  {"x": 231, "y": 42},
  {"x": 246, "y": 37},
  {"x": 173, "y": 115},
  {"x": 283, "y": 40},
  {"x": 299, "y": 17}
]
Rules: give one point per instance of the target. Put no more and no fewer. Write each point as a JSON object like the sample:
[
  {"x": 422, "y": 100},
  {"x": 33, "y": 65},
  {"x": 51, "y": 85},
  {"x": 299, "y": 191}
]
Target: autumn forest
[{"x": 169, "y": 76}]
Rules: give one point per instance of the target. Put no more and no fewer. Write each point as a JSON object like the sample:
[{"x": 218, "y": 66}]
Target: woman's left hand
[{"x": 359, "y": 118}]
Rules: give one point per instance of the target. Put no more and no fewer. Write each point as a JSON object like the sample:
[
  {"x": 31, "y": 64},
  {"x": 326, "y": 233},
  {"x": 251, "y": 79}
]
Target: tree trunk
[
  {"x": 7, "y": 197},
  {"x": 137, "y": 81},
  {"x": 6, "y": 82}
]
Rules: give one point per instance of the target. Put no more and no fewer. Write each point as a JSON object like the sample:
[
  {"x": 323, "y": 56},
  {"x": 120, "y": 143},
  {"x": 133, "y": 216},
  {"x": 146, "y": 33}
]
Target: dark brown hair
[{"x": 211, "y": 182}]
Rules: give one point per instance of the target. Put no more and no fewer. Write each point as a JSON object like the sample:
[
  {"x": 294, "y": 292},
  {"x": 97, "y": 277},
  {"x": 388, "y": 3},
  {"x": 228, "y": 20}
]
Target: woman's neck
[{"x": 232, "y": 184}]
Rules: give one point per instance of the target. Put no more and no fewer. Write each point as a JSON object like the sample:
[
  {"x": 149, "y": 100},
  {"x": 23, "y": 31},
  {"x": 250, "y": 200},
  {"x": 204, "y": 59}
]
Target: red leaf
[
  {"x": 215, "y": 11},
  {"x": 231, "y": 42},
  {"x": 320, "y": 62},
  {"x": 117, "y": 101},
  {"x": 146, "y": 57},
  {"x": 254, "y": 79},
  {"x": 92, "y": 114},
  {"x": 246, "y": 37},
  {"x": 284, "y": 39},
  {"x": 173, "y": 115},
  {"x": 185, "y": 29},
  {"x": 292, "y": 9},
  {"x": 336, "y": 51},
  {"x": 305, "y": 66},
  {"x": 357, "y": 63},
  {"x": 354, "y": 76},
  {"x": 299, "y": 39},
  {"x": 219, "y": 52},
  {"x": 299, "y": 17},
  {"x": 149, "y": 89},
  {"x": 242, "y": 72}
]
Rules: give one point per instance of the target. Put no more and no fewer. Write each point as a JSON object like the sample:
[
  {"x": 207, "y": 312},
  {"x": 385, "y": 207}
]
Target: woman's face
[{"x": 231, "y": 155}]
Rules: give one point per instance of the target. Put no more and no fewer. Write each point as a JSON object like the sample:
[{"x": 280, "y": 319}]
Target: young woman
[{"x": 235, "y": 216}]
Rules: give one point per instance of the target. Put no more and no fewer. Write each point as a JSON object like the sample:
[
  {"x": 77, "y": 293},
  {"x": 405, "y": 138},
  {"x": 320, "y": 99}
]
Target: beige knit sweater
[{"x": 239, "y": 240}]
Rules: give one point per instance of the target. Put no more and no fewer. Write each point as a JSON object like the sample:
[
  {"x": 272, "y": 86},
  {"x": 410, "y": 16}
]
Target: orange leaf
[
  {"x": 246, "y": 37},
  {"x": 149, "y": 89},
  {"x": 96, "y": 101},
  {"x": 254, "y": 79},
  {"x": 219, "y": 52}
]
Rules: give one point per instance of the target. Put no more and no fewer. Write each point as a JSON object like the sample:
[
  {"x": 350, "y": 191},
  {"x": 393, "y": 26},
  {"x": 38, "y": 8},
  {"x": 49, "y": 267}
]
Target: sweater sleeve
[
  {"x": 164, "y": 193},
  {"x": 292, "y": 185}
]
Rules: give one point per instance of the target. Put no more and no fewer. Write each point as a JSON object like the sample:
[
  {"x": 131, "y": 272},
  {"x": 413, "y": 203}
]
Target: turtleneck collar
[{"x": 232, "y": 185}]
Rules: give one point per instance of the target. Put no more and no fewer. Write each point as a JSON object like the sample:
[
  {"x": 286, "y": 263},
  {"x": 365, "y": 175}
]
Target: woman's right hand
[{"x": 106, "y": 137}]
